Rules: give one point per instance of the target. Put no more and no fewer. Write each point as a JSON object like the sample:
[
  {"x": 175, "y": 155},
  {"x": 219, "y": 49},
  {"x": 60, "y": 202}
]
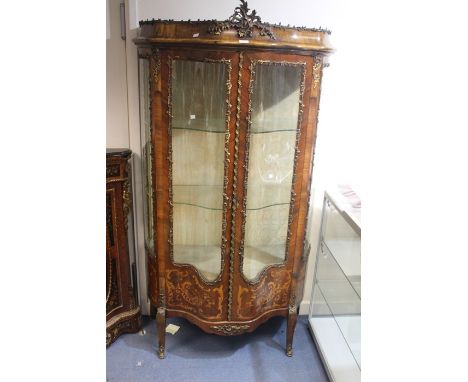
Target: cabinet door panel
[
  {"x": 273, "y": 132},
  {"x": 198, "y": 94},
  {"x": 275, "y": 127},
  {"x": 194, "y": 173}
]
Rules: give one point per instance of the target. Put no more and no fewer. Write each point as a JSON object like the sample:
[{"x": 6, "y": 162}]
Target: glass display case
[
  {"x": 335, "y": 311},
  {"x": 228, "y": 127}
]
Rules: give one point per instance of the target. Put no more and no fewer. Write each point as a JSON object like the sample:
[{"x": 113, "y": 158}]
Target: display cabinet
[
  {"x": 335, "y": 311},
  {"x": 122, "y": 309},
  {"x": 228, "y": 124}
]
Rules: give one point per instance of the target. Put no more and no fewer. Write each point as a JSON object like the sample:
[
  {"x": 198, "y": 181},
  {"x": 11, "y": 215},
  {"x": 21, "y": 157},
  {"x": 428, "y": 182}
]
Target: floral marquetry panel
[
  {"x": 185, "y": 291},
  {"x": 272, "y": 292}
]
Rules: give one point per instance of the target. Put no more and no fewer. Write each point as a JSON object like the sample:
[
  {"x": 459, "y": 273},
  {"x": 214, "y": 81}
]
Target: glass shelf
[
  {"x": 268, "y": 206},
  {"x": 203, "y": 196},
  {"x": 268, "y": 195},
  {"x": 211, "y": 197},
  {"x": 212, "y": 126},
  {"x": 182, "y": 124},
  {"x": 273, "y": 131}
]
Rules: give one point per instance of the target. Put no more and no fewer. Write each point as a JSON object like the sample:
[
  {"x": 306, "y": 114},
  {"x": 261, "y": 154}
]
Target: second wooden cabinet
[{"x": 228, "y": 125}]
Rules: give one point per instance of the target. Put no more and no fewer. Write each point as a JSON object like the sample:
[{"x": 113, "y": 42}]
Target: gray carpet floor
[{"x": 194, "y": 356}]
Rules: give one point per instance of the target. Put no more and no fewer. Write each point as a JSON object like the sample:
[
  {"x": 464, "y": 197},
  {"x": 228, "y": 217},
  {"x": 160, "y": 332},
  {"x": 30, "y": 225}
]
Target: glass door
[
  {"x": 273, "y": 133},
  {"x": 272, "y": 137},
  {"x": 199, "y": 138}
]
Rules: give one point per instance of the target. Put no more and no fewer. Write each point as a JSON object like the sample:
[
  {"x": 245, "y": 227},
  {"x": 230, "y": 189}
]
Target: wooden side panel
[
  {"x": 122, "y": 311},
  {"x": 118, "y": 296},
  {"x": 113, "y": 282},
  {"x": 312, "y": 99},
  {"x": 152, "y": 269}
]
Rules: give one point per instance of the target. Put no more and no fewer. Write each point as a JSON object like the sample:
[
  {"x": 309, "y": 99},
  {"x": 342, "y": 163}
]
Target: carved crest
[{"x": 243, "y": 22}]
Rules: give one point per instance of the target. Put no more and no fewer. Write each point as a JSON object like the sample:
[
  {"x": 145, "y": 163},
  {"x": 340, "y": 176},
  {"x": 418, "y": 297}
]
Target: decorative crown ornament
[{"x": 243, "y": 22}]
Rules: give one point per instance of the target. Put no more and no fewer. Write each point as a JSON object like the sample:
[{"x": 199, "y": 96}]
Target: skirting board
[{"x": 304, "y": 307}]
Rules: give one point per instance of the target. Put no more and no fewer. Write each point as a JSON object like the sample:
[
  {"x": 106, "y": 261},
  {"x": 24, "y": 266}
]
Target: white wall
[
  {"x": 117, "y": 130},
  {"x": 337, "y": 158}
]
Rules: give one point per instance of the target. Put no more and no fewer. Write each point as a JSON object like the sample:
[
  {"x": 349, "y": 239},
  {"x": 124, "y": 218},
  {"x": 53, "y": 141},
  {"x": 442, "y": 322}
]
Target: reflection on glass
[
  {"x": 198, "y": 92},
  {"x": 272, "y": 141},
  {"x": 145, "y": 121}
]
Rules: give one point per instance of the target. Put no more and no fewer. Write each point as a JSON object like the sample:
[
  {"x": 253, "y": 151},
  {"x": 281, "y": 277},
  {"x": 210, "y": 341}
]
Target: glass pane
[
  {"x": 335, "y": 314},
  {"x": 199, "y": 92},
  {"x": 336, "y": 304},
  {"x": 272, "y": 140},
  {"x": 145, "y": 128},
  {"x": 341, "y": 296},
  {"x": 345, "y": 244}
]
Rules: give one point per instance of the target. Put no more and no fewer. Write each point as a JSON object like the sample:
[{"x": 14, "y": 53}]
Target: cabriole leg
[
  {"x": 292, "y": 320},
  {"x": 152, "y": 310},
  {"x": 161, "y": 328}
]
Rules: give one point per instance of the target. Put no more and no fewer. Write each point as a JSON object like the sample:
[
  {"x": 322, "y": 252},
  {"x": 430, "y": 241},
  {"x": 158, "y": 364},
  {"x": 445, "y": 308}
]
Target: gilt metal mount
[
  {"x": 243, "y": 22},
  {"x": 231, "y": 329}
]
